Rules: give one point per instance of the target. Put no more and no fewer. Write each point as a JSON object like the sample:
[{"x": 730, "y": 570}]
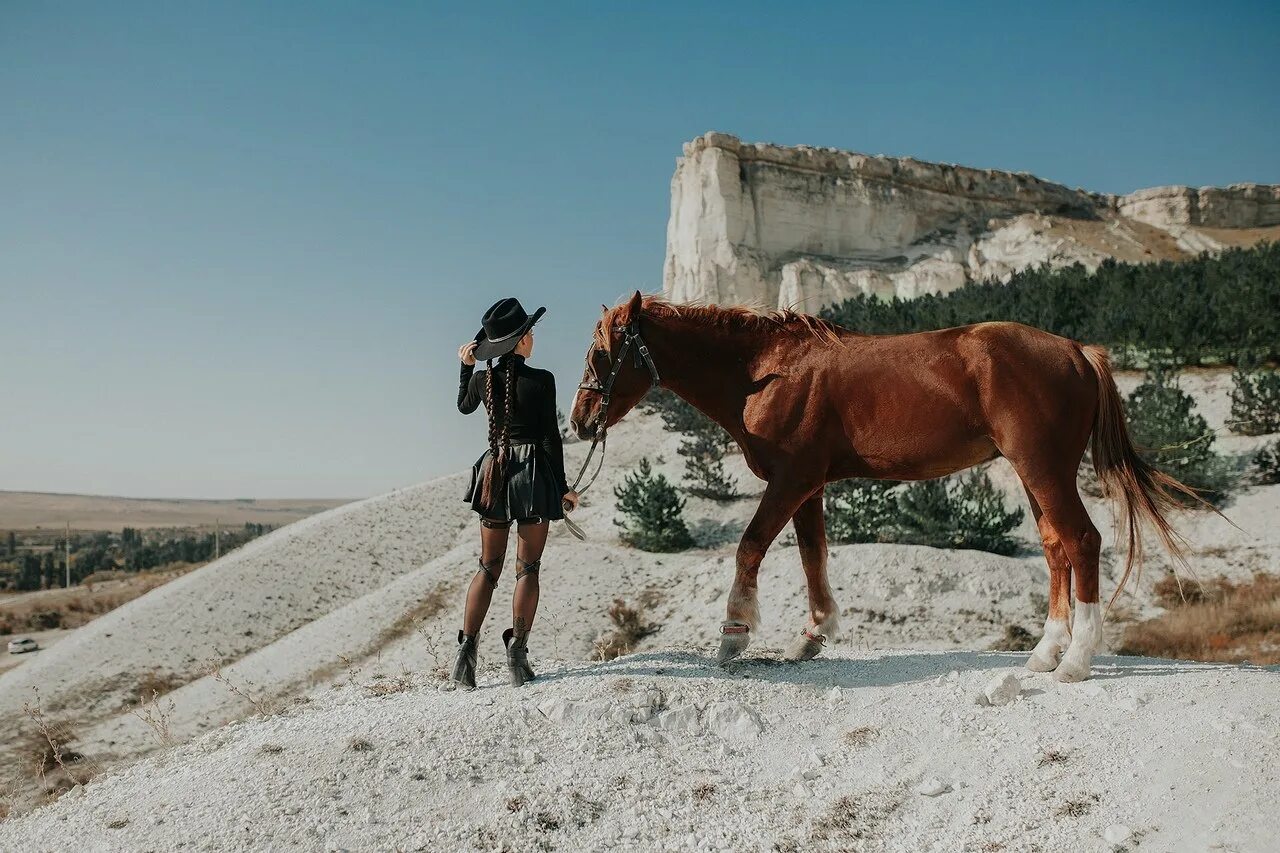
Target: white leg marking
[
  {"x": 1086, "y": 636},
  {"x": 1047, "y": 653},
  {"x": 746, "y": 605}
]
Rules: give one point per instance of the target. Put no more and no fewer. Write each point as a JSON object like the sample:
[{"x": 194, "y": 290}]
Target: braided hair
[{"x": 499, "y": 432}]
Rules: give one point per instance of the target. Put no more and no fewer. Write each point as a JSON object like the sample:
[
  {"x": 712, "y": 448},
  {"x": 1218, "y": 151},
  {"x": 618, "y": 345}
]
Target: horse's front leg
[
  {"x": 811, "y": 539},
  {"x": 742, "y": 616}
]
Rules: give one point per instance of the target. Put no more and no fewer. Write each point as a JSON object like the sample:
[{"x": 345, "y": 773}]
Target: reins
[{"x": 630, "y": 337}]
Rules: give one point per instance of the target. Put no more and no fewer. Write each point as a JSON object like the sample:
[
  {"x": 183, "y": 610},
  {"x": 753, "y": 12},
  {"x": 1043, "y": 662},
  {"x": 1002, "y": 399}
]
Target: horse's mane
[{"x": 733, "y": 317}]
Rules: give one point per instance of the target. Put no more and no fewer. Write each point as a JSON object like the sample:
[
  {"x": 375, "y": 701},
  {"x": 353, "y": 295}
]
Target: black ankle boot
[
  {"x": 518, "y": 658},
  {"x": 464, "y": 667}
]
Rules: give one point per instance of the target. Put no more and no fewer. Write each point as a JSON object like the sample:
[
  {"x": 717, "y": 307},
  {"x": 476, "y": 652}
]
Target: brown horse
[{"x": 810, "y": 403}]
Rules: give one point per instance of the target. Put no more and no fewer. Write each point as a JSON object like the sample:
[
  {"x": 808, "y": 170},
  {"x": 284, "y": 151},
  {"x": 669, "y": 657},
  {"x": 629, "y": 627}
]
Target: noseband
[{"x": 641, "y": 356}]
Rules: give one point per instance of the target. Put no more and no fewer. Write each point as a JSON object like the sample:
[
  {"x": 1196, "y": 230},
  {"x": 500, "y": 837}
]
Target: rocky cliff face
[{"x": 805, "y": 227}]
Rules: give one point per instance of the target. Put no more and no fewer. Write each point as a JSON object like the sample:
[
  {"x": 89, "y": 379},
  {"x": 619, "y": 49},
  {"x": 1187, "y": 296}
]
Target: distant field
[{"x": 29, "y": 510}]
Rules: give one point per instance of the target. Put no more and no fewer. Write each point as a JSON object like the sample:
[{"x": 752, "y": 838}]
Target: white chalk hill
[
  {"x": 665, "y": 751},
  {"x": 372, "y": 593}
]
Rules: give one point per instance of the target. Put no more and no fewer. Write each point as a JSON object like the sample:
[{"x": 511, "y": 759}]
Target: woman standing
[{"x": 520, "y": 478}]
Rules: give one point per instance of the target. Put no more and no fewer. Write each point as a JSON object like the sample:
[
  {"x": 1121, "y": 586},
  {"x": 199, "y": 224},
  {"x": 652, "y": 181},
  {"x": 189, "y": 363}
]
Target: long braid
[
  {"x": 510, "y": 379},
  {"x": 489, "y": 482}
]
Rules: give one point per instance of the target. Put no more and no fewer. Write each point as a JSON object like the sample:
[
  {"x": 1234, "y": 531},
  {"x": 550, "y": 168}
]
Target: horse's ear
[{"x": 633, "y": 309}]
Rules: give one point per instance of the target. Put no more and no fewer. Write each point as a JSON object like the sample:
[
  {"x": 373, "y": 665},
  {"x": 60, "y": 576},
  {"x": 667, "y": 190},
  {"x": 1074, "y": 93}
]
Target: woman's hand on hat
[{"x": 467, "y": 353}]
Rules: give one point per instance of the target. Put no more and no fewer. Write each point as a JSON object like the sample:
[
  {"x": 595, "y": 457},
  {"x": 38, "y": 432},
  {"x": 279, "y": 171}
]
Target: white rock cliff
[{"x": 805, "y": 227}]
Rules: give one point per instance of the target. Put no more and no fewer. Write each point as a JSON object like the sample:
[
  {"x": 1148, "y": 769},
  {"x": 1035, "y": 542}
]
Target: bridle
[{"x": 630, "y": 337}]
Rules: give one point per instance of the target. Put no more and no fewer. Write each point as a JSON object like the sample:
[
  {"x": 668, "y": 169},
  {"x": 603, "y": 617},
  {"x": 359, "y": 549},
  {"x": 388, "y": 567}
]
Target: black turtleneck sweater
[{"x": 533, "y": 412}]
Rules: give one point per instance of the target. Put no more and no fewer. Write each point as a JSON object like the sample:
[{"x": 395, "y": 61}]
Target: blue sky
[{"x": 241, "y": 242}]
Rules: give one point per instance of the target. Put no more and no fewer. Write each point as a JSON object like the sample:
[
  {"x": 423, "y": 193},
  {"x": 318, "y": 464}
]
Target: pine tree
[
  {"x": 1266, "y": 462},
  {"x": 1175, "y": 438},
  {"x": 651, "y": 508},
  {"x": 964, "y": 511},
  {"x": 704, "y": 473},
  {"x": 861, "y": 511},
  {"x": 1255, "y": 402}
]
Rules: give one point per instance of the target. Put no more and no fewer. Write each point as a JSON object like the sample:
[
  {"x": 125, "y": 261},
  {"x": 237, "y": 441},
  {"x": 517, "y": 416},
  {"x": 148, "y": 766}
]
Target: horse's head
[{"x": 619, "y": 371}]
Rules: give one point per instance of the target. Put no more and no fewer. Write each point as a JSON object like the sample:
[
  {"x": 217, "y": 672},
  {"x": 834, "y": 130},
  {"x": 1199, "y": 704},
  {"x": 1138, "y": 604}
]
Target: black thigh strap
[
  {"x": 523, "y": 568},
  {"x": 488, "y": 571}
]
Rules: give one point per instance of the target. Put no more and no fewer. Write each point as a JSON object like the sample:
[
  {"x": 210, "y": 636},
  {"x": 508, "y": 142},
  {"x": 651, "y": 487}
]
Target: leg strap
[
  {"x": 495, "y": 523},
  {"x": 523, "y": 568},
  {"x": 488, "y": 571}
]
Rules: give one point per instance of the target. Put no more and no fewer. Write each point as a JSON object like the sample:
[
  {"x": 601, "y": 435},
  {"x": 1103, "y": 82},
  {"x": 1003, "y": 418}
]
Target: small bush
[
  {"x": 1175, "y": 438},
  {"x": 1255, "y": 402},
  {"x": 966, "y": 511},
  {"x": 651, "y": 508},
  {"x": 861, "y": 511},
  {"x": 1266, "y": 464}
]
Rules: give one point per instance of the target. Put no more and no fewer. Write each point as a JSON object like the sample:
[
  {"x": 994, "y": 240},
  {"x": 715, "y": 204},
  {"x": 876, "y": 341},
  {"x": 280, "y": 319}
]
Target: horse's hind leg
[
  {"x": 811, "y": 539},
  {"x": 1075, "y": 533},
  {"x": 1057, "y": 633},
  {"x": 742, "y": 615}
]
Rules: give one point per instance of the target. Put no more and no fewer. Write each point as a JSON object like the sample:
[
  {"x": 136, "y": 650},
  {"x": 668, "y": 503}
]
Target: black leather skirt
[{"x": 530, "y": 489}]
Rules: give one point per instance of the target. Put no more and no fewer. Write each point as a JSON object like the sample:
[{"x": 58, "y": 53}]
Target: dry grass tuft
[
  {"x": 861, "y": 736},
  {"x": 359, "y": 744},
  {"x": 57, "y": 765},
  {"x": 247, "y": 691},
  {"x": 629, "y": 628},
  {"x": 1078, "y": 807},
  {"x": 271, "y": 749},
  {"x": 157, "y": 714},
  {"x": 702, "y": 792},
  {"x": 1218, "y": 621},
  {"x": 387, "y": 686},
  {"x": 515, "y": 804},
  {"x": 1015, "y": 639},
  {"x": 852, "y": 818},
  {"x": 1051, "y": 756}
]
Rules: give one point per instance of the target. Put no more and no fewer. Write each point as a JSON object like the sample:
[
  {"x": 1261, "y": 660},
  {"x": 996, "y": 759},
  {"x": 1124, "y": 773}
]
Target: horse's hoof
[
  {"x": 804, "y": 647},
  {"x": 1036, "y": 663},
  {"x": 1069, "y": 673},
  {"x": 734, "y": 639}
]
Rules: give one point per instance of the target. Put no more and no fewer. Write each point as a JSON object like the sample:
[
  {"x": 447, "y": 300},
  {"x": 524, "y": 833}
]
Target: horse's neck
[{"x": 710, "y": 370}]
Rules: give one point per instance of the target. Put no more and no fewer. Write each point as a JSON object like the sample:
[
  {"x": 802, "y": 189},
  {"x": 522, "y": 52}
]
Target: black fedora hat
[{"x": 503, "y": 326}]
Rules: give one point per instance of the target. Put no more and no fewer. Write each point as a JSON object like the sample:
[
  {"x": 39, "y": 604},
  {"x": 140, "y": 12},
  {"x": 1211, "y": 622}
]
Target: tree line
[
  {"x": 131, "y": 550},
  {"x": 1214, "y": 309}
]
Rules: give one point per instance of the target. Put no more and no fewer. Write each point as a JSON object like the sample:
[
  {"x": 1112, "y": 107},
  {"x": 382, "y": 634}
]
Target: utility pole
[
  {"x": 217, "y": 538},
  {"x": 67, "y": 554}
]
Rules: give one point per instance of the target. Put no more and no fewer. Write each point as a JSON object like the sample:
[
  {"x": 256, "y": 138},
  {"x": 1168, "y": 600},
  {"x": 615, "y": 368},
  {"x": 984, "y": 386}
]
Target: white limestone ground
[
  {"x": 663, "y": 750},
  {"x": 374, "y": 591}
]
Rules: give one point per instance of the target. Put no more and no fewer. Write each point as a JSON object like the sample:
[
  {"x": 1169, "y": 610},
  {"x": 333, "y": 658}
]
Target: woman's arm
[
  {"x": 552, "y": 446},
  {"x": 468, "y": 392}
]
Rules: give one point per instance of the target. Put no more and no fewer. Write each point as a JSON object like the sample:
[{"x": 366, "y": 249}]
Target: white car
[{"x": 22, "y": 644}]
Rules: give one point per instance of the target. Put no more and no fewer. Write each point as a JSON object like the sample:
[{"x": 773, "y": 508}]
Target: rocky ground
[
  {"x": 370, "y": 593},
  {"x": 664, "y": 750}
]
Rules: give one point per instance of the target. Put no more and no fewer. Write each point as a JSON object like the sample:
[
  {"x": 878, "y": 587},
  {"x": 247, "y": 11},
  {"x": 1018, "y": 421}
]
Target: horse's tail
[{"x": 1146, "y": 491}]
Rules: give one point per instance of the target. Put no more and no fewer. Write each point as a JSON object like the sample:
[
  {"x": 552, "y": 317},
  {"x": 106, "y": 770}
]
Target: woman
[{"x": 520, "y": 478}]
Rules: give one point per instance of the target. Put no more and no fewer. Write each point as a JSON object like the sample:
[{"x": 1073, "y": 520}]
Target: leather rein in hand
[{"x": 630, "y": 337}]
